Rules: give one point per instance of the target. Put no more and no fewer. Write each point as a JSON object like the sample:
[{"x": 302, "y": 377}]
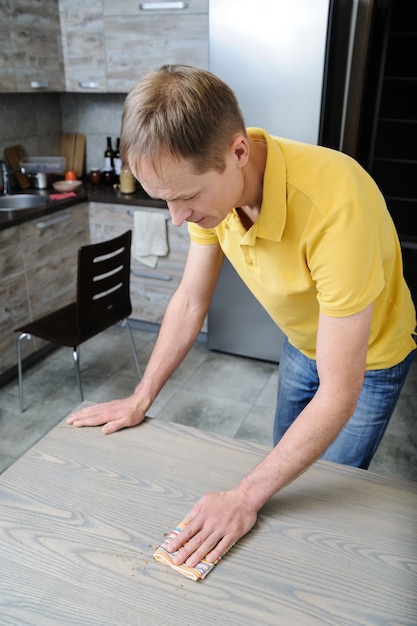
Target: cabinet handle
[
  {"x": 88, "y": 85},
  {"x": 39, "y": 84},
  {"x": 160, "y": 6},
  {"x": 62, "y": 217},
  {"x": 153, "y": 276}
]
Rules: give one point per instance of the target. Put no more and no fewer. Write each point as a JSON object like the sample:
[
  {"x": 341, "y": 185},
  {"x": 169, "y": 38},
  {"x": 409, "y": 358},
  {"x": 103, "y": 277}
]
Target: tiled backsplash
[
  {"x": 97, "y": 116},
  {"x": 37, "y": 121}
]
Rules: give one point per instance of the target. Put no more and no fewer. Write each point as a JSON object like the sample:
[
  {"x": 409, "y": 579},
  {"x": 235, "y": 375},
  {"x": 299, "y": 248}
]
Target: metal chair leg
[
  {"x": 19, "y": 367},
  {"x": 76, "y": 358},
  {"x": 132, "y": 345}
]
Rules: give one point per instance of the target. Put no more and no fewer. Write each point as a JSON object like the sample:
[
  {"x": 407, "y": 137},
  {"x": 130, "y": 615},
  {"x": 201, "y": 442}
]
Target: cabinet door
[
  {"x": 32, "y": 47},
  {"x": 83, "y": 45},
  {"x": 50, "y": 245},
  {"x": 14, "y": 300},
  {"x": 142, "y": 36},
  {"x": 150, "y": 289},
  {"x": 7, "y": 73}
]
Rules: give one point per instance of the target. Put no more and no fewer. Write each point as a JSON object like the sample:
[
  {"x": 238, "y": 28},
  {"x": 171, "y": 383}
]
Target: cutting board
[
  {"x": 13, "y": 154},
  {"x": 73, "y": 149}
]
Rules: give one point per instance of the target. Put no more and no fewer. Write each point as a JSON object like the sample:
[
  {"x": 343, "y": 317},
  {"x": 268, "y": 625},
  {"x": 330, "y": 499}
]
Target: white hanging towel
[{"x": 149, "y": 237}]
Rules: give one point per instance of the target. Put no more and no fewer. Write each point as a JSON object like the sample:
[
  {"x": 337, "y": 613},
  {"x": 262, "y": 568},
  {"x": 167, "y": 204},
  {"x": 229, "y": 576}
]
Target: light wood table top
[{"x": 82, "y": 513}]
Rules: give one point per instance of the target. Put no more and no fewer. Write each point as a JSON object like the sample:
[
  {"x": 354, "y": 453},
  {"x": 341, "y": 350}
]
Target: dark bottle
[
  {"x": 117, "y": 162},
  {"x": 108, "y": 157}
]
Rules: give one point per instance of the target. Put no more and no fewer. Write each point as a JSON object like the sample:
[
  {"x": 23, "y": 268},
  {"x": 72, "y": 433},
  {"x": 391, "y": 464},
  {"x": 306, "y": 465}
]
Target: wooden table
[{"x": 81, "y": 514}]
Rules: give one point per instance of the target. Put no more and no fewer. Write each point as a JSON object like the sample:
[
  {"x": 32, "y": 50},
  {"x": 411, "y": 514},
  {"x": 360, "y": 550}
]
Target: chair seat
[{"x": 59, "y": 327}]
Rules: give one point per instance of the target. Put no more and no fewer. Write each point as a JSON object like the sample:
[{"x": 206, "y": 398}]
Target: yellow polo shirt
[{"x": 324, "y": 241}]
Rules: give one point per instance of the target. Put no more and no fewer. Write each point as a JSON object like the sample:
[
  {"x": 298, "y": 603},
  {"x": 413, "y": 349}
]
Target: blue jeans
[{"x": 358, "y": 440}]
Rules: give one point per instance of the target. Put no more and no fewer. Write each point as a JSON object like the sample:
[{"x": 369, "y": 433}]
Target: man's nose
[{"x": 178, "y": 215}]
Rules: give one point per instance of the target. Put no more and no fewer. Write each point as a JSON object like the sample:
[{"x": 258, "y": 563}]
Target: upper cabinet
[
  {"x": 83, "y": 45},
  {"x": 108, "y": 45},
  {"x": 30, "y": 46},
  {"x": 100, "y": 45},
  {"x": 142, "y": 36}
]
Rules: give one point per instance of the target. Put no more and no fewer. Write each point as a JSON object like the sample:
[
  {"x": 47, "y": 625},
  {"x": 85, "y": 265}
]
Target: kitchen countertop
[
  {"x": 87, "y": 193},
  {"x": 82, "y": 513}
]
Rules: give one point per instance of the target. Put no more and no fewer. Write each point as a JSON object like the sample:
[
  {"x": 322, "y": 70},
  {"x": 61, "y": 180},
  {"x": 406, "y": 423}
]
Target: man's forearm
[
  {"x": 179, "y": 330},
  {"x": 304, "y": 442}
]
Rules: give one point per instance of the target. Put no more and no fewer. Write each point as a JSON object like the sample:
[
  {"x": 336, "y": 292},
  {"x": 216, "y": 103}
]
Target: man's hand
[
  {"x": 214, "y": 524},
  {"x": 114, "y": 415}
]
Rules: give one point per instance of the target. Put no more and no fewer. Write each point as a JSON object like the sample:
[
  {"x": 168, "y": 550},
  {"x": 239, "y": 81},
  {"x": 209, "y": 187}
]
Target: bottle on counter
[
  {"x": 117, "y": 162},
  {"x": 109, "y": 157}
]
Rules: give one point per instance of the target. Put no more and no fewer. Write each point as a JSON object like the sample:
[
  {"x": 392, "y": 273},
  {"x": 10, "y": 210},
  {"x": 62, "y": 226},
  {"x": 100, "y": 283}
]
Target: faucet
[{"x": 6, "y": 186}]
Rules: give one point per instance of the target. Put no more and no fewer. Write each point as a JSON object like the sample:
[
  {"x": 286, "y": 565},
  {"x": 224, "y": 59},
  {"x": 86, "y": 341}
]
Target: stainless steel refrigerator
[{"x": 289, "y": 63}]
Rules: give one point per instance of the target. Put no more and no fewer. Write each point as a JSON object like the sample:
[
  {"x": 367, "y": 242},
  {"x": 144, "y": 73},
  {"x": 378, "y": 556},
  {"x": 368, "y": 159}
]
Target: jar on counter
[
  {"x": 95, "y": 176},
  {"x": 109, "y": 177},
  {"x": 127, "y": 181}
]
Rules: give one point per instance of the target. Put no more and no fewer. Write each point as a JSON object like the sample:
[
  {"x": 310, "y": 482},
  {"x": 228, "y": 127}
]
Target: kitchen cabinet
[
  {"x": 38, "y": 270},
  {"x": 30, "y": 46},
  {"x": 50, "y": 245},
  {"x": 100, "y": 46},
  {"x": 143, "y": 36},
  {"x": 83, "y": 45},
  {"x": 150, "y": 289},
  {"x": 7, "y": 73},
  {"x": 14, "y": 298},
  {"x": 108, "y": 45}
]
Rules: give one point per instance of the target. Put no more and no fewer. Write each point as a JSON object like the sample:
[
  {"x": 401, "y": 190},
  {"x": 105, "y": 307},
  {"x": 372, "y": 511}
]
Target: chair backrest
[{"x": 103, "y": 285}]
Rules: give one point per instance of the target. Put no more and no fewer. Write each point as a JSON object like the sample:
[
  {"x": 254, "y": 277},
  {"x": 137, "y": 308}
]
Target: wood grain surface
[{"x": 82, "y": 513}]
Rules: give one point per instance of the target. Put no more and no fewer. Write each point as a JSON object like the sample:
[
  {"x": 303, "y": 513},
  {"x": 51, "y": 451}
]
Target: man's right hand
[{"x": 115, "y": 415}]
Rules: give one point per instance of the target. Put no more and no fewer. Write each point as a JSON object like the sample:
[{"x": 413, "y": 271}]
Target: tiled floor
[{"x": 230, "y": 395}]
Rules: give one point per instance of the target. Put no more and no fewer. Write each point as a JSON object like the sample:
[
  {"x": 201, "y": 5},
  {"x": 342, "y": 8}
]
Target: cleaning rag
[
  {"x": 62, "y": 196},
  {"x": 195, "y": 573}
]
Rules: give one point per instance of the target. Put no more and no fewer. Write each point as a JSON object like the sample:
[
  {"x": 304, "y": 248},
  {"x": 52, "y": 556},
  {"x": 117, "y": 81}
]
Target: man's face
[{"x": 204, "y": 199}]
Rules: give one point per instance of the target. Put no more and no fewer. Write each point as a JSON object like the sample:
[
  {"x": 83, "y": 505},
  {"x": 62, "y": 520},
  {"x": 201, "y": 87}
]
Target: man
[{"x": 309, "y": 232}]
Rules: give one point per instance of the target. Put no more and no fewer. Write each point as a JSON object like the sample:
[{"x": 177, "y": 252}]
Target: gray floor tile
[
  {"x": 219, "y": 376},
  {"x": 268, "y": 395},
  {"x": 397, "y": 452},
  {"x": 164, "y": 397},
  {"x": 257, "y": 425},
  {"x": 20, "y": 431},
  {"x": 207, "y": 412},
  {"x": 115, "y": 385}
]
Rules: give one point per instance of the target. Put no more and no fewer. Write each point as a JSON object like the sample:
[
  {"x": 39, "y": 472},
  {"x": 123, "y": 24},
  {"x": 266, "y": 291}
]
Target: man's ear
[{"x": 240, "y": 149}]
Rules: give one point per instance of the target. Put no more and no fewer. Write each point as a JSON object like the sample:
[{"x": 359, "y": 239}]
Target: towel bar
[{"x": 130, "y": 212}]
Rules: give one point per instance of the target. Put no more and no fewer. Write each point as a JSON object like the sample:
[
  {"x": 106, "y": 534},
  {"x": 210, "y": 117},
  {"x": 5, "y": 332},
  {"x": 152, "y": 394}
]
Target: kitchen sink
[{"x": 20, "y": 201}]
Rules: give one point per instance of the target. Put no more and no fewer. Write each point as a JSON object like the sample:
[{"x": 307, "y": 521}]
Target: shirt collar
[{"x": 271, "y": 221}]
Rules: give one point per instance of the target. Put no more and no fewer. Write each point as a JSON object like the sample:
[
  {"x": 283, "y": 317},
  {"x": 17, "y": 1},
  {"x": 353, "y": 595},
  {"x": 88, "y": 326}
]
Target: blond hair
[{"x": 183, "y": 111}]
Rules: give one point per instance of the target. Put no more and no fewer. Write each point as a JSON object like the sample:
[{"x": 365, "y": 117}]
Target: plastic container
[{"x": 45, "y": 165}]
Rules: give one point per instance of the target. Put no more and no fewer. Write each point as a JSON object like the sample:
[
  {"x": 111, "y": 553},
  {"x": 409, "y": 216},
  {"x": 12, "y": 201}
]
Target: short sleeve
[
  {"x": 346, "y": 260},
  {"x": 203, "y": 236}
]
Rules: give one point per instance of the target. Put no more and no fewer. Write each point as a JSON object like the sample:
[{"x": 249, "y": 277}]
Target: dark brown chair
[{"x": 103, "y": 299}]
